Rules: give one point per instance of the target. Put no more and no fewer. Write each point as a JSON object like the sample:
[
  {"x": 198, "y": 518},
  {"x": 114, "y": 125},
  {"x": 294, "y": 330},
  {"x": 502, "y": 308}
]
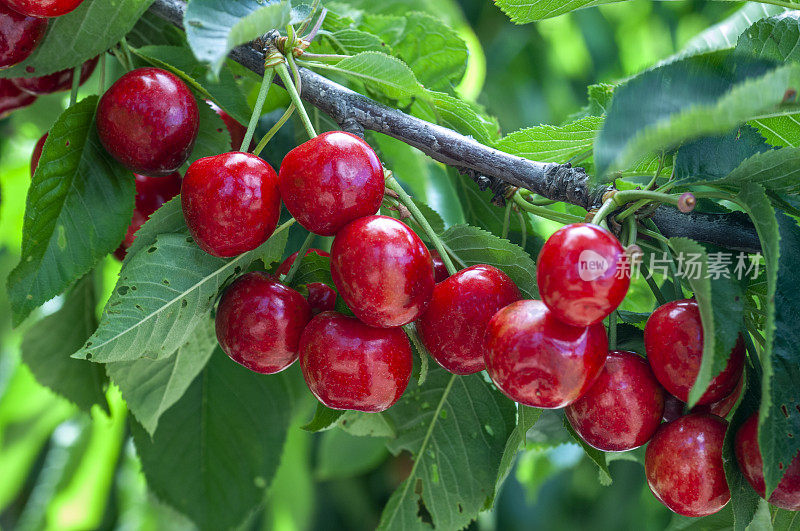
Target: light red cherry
[
  {"x": 683, "y": 464},
  {"x": 538, "y": 360},
  {"x": 43, "y": 8},
  {"x": 623, "y": 408},
  {"x": 259, "y": 323},
  {"x": 330, "y": 181},
  {"x": 148, "y": 120},
  {"x": 382, "y": 270},
  {"x": 787, "y": 494},
  {"x": 56, "y": 82},
  {"x": 231, "y": 203},
  {"x": 673, "y": 339},
  {"x": 19, "y": 35},
  {"x": 453, "y": 328},
  {"x": 321, "y": 297},
  {"x": 12, "y": 98},
  {"x": 350, "y": 365}
]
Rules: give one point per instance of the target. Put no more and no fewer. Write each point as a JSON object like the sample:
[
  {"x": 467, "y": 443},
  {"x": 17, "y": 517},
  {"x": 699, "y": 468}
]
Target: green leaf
[
  {"x": 166, "y": 220},
  {"x": 721, "y": 304},
  {"x": 151, "y": 387},
  {"x": 526, "y": 418},
  {"x": 94, "y": 27},
  {"x": 775, "y": 38},
  {"x": 525, "y": 11},
  {"x": 163, "y": 293},
  {"x": 216, "y": 450},
  {"x": 780, "y": 131},
  {"x": 467, "y": 118},
  {"x": 713, "y": 158},
  {"x": 476, "y": 246},
  {"x": 62, "y": 239},
  {"x": 313, "y": 268},
  {"x": 215, "y": 28},
  {"x": 341, "y": 455},
  {"x": 350, "y": 41},
  {"x": 777, "y": 170},
  {"x": 48, "y": 344},
  {"x": 213, "y": 137},
  {"x": 783, "y": 520},
  {"x": 324, "y": 418},
  {"x": 363, "y": 424},
  {"x": 456, "y": 427},
  {"x": 596, "y": 456},
  {"x": 551, "y": 143}
]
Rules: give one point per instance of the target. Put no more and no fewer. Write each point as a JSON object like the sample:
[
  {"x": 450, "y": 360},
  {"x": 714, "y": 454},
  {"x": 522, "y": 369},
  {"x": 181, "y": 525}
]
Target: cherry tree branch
[{"x": 559, "y": 182}]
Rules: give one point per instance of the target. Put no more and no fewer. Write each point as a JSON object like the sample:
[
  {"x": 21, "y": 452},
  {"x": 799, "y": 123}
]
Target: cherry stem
[
  {"x": 298, "y": 260},
  {"x": 522, "y": 227},
  {"x": 653, "y": 285},
  {"x": 506, "y": 221},
  {"x": 102, "y": 83},
  {"x": 274, "y": 130},
  {"x": 411, "y": 332},
  {"x": 632, "y": 231},
  {"x": 546, "y": 213},
  {"x": 76, "y": 82},
  {"x": 269, "y": 75},
  {"x": 612, "y": 331},
  {"x": 676, "y": 281},
  {"x": 283, "y": 72},
  {"x": 127, "y": 53},
  {"x": 604, "y": 211},
  {"x": 392, "y": 184}
]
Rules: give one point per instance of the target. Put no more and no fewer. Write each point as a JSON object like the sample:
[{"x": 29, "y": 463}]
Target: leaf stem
[
  {"x": 299, "y": 258},
  {"x": 76, "y": 82},
  {"x": 325, "y": 57},
  {"x": 546, "y": 213},
  {"x": 274, "y": 130},
  {"x": 266, "y": 83},
  {"x": 283, "y": 72}
]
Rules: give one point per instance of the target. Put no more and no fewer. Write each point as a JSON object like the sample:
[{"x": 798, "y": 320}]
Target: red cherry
[
  {"x": 235, "y": 129},
  {"x": 43, "y": 8},
  {"x": 151, "y": 193},
  {"x": 581, "y": 274},
  {"x": 673, "y": 339},
  {"x": 623, "y": 408},
  {"x": 37, "y": 153},
  {"x": 382, "y": 270},
  {"x": 540, "y": 361},
  {"x": 787, "y": 494},
  {"x": 231, "y": 203},
  {"x": 723, "y": 406},
  {"x": 57, "y": 82},
  {"x": 673, "y": 408},
  {"x": 321, "y": 297},
  {"x": 331, "y": 180},
  {"x": 148, "y": 120},
  {"x": 440, "y": 271},
  {"x": 12, "y": 98},
  {"x": 259, "y": 322},
  {"x": 19, "y": 35},
  {"x": 683, "y": 464},
  {"x": 453, "y": 328},
  {"x": 350, "y": 365}
]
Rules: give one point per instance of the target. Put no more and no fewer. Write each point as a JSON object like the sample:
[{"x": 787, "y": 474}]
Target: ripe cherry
[
  {"x": 382, "y": 270},
  {"x": 538, "y": 360},
  {"x": 259, "y": 322},
  {"x": 787, "y": 494},
  {"x": 151, "y": 193},
  {"x": 673, "y": 339},
  {"x": 582, "y": 274},
  {"x": 453, "y": 328},
  {"x": 148, "y": 120},
  {"x": 231, "y": 203},
  {"x": 12, "y": 98},
  {"x": 43, "y": 8},
  {"x": 673, "y": 408},
  {"x": 55, "y": 82},
  {"x": 724, "y": 405},
  {"x": 37, "y": 153},
  {"x": 19, "y": 35},
  {"x": 623, "y": 408},
  {"x": 683, "y": 464},
  {"x": 235, "y": 129},
  {"x": 321, "y": 297},
  {"x": 331, "y": 180},
  {"x": 440, "y": 271},
  {"x": 350, "y": 365}
]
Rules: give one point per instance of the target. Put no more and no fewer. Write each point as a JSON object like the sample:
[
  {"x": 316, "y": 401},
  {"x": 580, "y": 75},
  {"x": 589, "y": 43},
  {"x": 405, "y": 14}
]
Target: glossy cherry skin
[
  {"x": 350, "y": 365},
  {"x": 12, "y": 98},
  {"x": 321, "y": 297},
  {"x": 439, "y": 269},
  {"x": 724, "y": 405},
  {"x": 37, "y": 153},
  {"x": 235, "y": 129},
  {"x": 151, "y": 193},
  {"x": 231, "y": 203},
  {"x": 453, "y": 328},
  {"x": 57, "y": 82},
  {"x": 623, "y": 408},
  {"x": 19, "y": 35},
  {"x": 382, "y": 270},
  {"x": 538, "y": 360},
  {"x": 148, "y": 120},
  {"x": 787, "y": 494},
  {"x": 581, "y": 273},
  {"x": 673, "y": 339},
  {"x": 683, "y": 464},
  {"x": 259, "y": 322},
  {"x": 43, "y": 8},
  {"x": 330, "y": 181}
]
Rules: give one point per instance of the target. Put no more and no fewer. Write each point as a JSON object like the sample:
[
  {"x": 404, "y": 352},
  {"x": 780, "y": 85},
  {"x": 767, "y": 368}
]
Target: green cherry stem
[
  {"x": 274, "y": 130},
  {"x": 546, "y": 213},
  {"x": 522, "y": 227},
  {"x": 269, "y": 75},
  {"x": 612, "y": 331},
  {"x": 507, "y": 221},
  {"x": 102, "y": 82},
  {"x": 76, "y": 82},
  {"x": 411, "y": 332},
  {"x": 300, "y": 254},
  {"x": 288, "y": 83},
  {"x": 604, "y": 211}
]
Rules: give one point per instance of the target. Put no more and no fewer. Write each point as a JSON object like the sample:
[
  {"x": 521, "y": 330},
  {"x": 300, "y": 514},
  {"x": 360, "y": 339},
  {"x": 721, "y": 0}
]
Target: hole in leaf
[
  {"x": 152, "y": 249},
  {"x": 184, "y": 303},
  {"x": 460, "y": 508},
  {"x": 133, "y": 288},
  {"x": 785, "y": 411},
  {"x": 122, "y": 290},
  {"x": 88, "y": 356},
  {"x": 165, "y": 282},
  {"x": 139, "y": 307},
  {"x": 189, "y": 239}
]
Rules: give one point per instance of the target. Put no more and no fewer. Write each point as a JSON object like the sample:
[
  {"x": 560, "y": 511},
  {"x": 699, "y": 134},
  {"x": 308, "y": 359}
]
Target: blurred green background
[{"x": 64, "y": 470}]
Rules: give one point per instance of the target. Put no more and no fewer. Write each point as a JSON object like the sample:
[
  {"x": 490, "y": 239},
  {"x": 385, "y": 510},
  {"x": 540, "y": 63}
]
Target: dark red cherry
[
  {"x": 673, "y": 339},
  {"x": 37, "y": 153},
  {"x": 12, "y": 98},
  {"x": 151, "y": 193},
  {"x": 148, "y": 120},
  {"x": 259, "y": 322},
  {"x": 683, "y": 464},
  {"x": 331, "y": 180},
  {"x": 350, "y": 365},
  {"x": 321, "y": 297},
  {"x": 582, "y": 274},
  {"x": 382, "y": 270},
  {"x": 723, "y": 406},
  {"x": 623, "y": 408},
  {"x": 56, "y": 82},
  {"x": 231, "y": 202},
  {"x": 673, "y": 408},
  {"x": 19, "y": 35},
  {"x": 439, "y": 269},
  {"x": 787, "y": 494},
  {"x": 235, "y": 129},
  {"x": 538, "y": 360},
  {"x": 43, "y": 8},
  {"x": 453, "y": 328}
]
